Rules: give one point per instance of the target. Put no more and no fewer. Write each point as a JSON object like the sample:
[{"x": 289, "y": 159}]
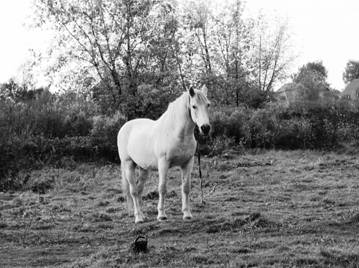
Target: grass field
[{"x": 272, "y": 208}]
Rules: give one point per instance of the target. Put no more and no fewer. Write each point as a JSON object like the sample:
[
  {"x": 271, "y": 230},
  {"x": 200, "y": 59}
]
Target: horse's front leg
[
  {"x": 162, "y": 188},
  {"x": 186, "y": 187}
]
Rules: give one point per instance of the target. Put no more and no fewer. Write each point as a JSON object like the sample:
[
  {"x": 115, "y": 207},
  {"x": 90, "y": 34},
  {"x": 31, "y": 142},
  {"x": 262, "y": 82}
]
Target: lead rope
[
  {"x": 199, "y": 162},
  {"x": 200, "y": 171}
]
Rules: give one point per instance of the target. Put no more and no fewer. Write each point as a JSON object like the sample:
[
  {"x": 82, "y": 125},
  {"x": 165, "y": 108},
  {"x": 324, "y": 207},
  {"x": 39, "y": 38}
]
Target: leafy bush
[
  {"x": 305, "y": 125},
  {"x": 233, "y": 124},
  {"x": 43, "y": 129},
  {"x": 150, "y": 102},
  {"x": 104, "y": 134},
  {"x": 293, "y": 133},
  {"x": 77, "y": 124},
  {"x": 221, "y": 144},
  {"x": 263, "y": 128}
]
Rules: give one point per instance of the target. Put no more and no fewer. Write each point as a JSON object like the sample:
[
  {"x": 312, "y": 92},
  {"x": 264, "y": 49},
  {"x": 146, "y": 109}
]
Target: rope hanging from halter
[
  {"x": 197, "y": 137},
  {"x": 199, "y": 161}
]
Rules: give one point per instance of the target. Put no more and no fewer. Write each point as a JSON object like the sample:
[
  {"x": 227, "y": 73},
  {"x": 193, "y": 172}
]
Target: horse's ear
[
  {"x": 191, "y": 91},
  {"x": 204, "y": 90}
]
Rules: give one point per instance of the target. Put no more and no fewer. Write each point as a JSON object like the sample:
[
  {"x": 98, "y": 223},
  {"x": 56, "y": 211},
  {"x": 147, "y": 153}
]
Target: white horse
[{"x": 167, "y": 142}]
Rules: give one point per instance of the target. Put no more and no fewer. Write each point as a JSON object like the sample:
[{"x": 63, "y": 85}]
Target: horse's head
[{"x": 198, "y": 105}]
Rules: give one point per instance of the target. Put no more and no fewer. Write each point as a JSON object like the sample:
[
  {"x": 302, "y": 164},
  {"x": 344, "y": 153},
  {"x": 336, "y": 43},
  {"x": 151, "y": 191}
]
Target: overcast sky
[{"x": 321, "y": 30}]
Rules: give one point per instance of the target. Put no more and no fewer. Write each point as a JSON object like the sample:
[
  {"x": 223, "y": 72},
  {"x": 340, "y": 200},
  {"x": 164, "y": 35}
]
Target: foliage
[
  {"x": 115, "y": 49},
  {"x": 38, "y": 127},
  {"x": 104, "y": 134},
  {"x": 351, "y": 71},
  {"x": 304, "y": 125},
  {"x": 118, "y": 43},
  {"x": 317, "y": 68},
  {"x": 271, "y": 54},
  {"x": 310, "y": 84},
  {"x": 45, "y": 128},
  {"x": 219, "y": 145},
  {"x": 313, "y": 75}
]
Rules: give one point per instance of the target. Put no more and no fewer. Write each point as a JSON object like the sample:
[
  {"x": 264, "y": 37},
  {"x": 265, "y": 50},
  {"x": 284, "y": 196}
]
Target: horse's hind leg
[
  {"x": 186, "y": 187},
  {"x": 130, "y": 176},
  {"x": 162, "y": 189},
  {"x": 143, "y": 176},
  {"x": 126, "y": 189}
]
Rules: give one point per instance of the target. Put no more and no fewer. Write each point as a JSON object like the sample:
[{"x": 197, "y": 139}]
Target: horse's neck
[{"x": 178, "y": 120}]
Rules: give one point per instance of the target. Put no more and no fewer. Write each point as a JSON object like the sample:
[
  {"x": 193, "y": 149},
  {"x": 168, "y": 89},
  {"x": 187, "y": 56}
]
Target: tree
[
  {"x": 194, "y": 54},
  {"x": 9, "y": 90},
  {"x": 118, "y": 41},
  {"x": 198, "y": 16},
  {"x": 216, "y": 41},
  {"x": 19, "y": 92},
  {"x": 233, "y": 36},
  {"x": 351, "y": 71},
  {"x": 271, "y": 54},
  {"x": 119, "y": 48},
  {"x": 312, "y": 75}
]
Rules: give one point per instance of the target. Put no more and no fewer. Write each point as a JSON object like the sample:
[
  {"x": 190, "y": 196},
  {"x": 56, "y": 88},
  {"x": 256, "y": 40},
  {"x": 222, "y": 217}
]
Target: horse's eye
[
  {"x": 208, "y": 104},
  {"x": 194, "y": 107}
]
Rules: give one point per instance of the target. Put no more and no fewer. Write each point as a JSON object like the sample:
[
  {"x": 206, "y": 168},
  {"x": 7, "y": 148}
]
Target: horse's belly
[
  {"x": 144, "y": 159},
  {"x": 140, "y": 149}
]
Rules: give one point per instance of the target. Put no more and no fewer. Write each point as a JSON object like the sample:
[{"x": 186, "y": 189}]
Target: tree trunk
[
  {"x": 128, "y": 57},
  {"x": 208, "y": 59}
]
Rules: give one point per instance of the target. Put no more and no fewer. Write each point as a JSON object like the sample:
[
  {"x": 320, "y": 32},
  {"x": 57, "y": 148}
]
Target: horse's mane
[
  {"x": 174, "y": 107},
  {"x": 182, "y": 102}
]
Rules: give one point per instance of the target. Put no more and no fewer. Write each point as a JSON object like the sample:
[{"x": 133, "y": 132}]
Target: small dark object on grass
[
  {"x": 42, "y": 199},
  {"x": 120, "y": 199},
  {"x": 253, "y": 216},
  {"x": 140, "y": 244},
  {"x": 41, "y": 188}
]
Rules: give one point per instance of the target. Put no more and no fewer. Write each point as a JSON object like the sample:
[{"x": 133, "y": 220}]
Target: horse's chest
[{"x": 180, "y": 154}]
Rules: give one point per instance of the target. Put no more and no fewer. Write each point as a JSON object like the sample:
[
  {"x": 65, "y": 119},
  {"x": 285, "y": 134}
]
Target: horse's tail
[{"x": 126, "y": 189}]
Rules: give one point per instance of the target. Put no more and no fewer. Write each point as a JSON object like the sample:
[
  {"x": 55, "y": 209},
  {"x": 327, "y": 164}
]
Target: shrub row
[
  {"x": 48, "y": 129},
  {"x": 42, "y": 131},
  {"x": 296, "y": 127}
]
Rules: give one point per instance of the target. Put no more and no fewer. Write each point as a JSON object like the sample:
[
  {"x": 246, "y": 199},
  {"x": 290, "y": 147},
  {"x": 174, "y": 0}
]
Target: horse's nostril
[{"x": 205, "y": 129}]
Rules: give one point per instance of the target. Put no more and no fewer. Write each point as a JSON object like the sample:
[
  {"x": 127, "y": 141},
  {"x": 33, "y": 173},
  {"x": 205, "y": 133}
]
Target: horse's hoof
[
  {"x": 162, "y": 218},
  {"x": 187, "y": 218},
  {"x": 140, "y": 219}
]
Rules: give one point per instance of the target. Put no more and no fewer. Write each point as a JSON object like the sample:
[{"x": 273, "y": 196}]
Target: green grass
[{"x": 272, "y": 208}]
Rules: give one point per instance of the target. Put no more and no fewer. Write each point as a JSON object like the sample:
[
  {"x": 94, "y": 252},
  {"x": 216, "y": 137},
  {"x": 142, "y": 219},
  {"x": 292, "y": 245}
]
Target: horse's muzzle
[{"x": 205, "y": 129}]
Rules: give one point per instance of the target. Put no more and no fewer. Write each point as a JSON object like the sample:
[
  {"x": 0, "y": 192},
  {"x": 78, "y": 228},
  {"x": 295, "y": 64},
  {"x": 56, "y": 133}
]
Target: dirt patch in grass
[
  {"x": 354, "y": 219},
  {"x": 335, "y": 257}
]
